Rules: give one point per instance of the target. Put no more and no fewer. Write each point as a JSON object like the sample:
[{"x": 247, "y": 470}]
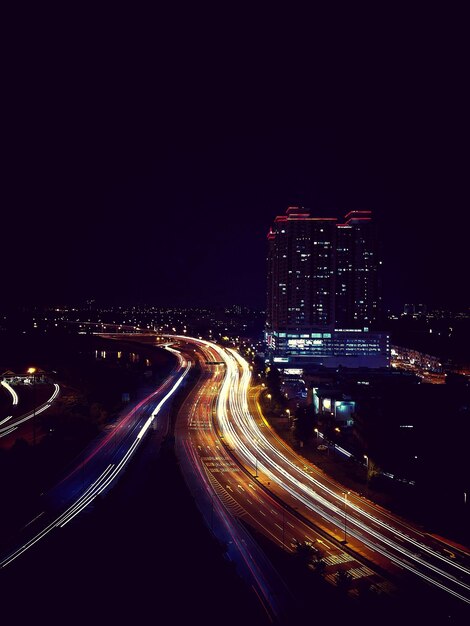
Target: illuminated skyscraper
[
  {"x": 357, "y": 271},
  {"x": 323, "y": 290}
]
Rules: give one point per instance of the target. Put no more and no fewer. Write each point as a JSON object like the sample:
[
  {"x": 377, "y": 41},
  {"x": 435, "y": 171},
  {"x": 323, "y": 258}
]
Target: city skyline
[
  {"x": 132, "y": 178},
  {"x": 182, "y": 439}
]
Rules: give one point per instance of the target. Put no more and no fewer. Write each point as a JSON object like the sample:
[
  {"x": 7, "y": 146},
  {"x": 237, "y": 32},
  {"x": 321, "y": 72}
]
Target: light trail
[
  {"x": 232, "y": 484},
  {"x": 7, "y": 431},
  {"x": 250, "y": 429},
  {"x": 28, "y": 416},
  {"x": 99, "y": 485},
  {"x": 126, "y": 421},
  {"x": 193, "y": 448},
  {"x": 241, "y": 432},
  {"x": 12, "y": 392},
  {"x": 234, "y": 530}
]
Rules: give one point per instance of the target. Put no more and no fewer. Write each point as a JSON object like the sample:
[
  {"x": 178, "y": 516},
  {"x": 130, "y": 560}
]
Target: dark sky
[{"x": 146, "y": 158}]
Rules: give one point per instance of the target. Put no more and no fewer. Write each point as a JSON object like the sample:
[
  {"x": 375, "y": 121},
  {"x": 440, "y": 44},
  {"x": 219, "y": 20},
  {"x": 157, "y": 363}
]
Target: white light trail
[
  {"x": 103, "y": 481},
  {"x": 13, "y": 393},
  {"x": 248, "y": 420},
  {"x": 39, "y": 410},
  {"x": 7, "y": 431},
  {"x": 241, "y": 431}
]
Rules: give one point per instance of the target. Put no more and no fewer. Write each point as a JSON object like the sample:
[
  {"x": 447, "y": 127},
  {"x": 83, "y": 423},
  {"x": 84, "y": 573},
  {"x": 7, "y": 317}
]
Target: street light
[
  {"x": 283, "y": 526},
  {"x": 256, "y": 458},
  {"x": 32, "y": 372},
  {"x": 269, "y": 397},
  {"x": 345, "y": 494},
  {"x": 367, "y": 470}
]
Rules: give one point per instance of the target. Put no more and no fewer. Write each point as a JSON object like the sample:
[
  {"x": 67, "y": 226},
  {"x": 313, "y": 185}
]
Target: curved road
[
  {"x": 371, "y": 532},
  {"x": 248, "y": 476},
  {"x": 97, "y": 468}
]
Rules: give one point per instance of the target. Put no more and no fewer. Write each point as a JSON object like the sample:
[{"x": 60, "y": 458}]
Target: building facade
[{"x": 323, "y": 296}]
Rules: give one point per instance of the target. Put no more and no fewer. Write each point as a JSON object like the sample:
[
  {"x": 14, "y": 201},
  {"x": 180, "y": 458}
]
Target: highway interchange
[
  {"x": 242, "y": 474},
  {"x": 258, "y": 477},
  {"x": 98, "y": 467}
]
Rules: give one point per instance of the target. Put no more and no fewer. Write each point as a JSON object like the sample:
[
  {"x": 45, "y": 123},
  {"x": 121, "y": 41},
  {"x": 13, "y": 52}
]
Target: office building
[{"x": 323, "y": 300}]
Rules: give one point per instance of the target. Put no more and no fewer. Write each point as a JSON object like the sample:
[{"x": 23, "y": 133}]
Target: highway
[
  {"x": 246, "y": 455},
  {"x": 238, "y": 491},
  {"x": 242, "y": 476},
  {"x": 209, "y": 472},
  {"x": 95, "y": 471}
]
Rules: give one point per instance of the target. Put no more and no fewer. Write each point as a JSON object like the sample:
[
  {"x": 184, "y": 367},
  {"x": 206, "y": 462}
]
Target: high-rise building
[{"x": 323, "y": 291}]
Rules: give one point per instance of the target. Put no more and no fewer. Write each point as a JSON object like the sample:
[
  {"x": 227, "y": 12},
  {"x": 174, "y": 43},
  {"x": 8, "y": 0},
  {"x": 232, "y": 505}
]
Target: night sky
[{"x": 146, "y": 163}]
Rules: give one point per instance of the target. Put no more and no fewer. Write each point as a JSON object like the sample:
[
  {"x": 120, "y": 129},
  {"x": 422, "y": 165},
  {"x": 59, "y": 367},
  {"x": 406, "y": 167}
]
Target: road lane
[
  {"x": 96, "y": 469},
  {"x": 238, "y": 488},
  {"x": 320, "y": 501},
  {"x": 375, "y": 534}
]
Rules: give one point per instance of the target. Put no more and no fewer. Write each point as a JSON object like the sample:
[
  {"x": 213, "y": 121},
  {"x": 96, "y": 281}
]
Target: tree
[
  {"x": 343, "y": 580},
  {"x": 304, "y": 551},
  {"x": 98, "y": 413},
  {"x": 303, "y": 424},
  {"x": 373, "y": 469},
  {"x": 367, "y": 590},
  {"x": 319, "y": 565}
]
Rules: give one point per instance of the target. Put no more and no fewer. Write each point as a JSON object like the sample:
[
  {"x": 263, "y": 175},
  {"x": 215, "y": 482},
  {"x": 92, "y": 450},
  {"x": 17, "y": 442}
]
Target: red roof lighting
[{"x": 362, "y": 212}]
